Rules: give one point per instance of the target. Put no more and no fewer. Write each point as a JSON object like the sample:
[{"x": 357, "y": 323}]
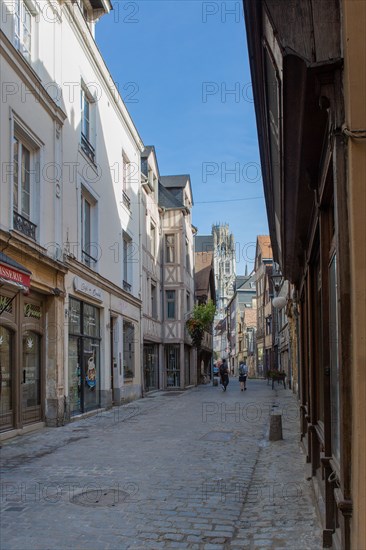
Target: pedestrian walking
[
  {"x": 243, "y": 374},
  {"x": 224, "y": 375}
]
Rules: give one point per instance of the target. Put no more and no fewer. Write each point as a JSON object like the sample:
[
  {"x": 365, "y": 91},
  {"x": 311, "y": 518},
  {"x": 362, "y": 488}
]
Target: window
[
  {"x": 88, "y": 247},
  {"x": 127, "y": 262},
  {"x": 188, "y": 302},
  {"x": 87, "y": 123},
  {"x": 153, "y": 301},
  {"x": 24, "y": 21},
  {"x": 334, "y": 363},
  {"x": 126, "y": 171},
  {"x": 268, "y": 326},
  {"x": 188, "y": 262},
  {"x": 152, "y": 239},
  {"x": 170, "y": 304},
  {"x": 227, "y": 268},
  {"x": 128, "y": 351},
  {"x": 24, "y": 179},
  {"x": 83, "y": 356},
  {"x": 170, "y": 249}
]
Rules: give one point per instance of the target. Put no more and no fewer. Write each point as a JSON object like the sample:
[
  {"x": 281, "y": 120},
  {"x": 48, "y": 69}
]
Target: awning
[{"x": 14, "y": 274}]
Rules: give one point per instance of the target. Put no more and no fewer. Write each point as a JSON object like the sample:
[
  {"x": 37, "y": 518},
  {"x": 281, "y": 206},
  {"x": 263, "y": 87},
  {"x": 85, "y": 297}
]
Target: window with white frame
[
  {"x": 87, "y": 123},
  {"x": 170, "y": 248},
  {"x": 188, "y": 261},
  {"x": 25, "y": 179},
  {"x": 127, "y": 262},
  {"x": 126, "y": 171},
  {"x": 154, "y": 309},
  {"x": 170, "y": 304},
  {"x": 152, "y": 239},
  {"x": 188, "y": 302},
  {"x": 24, "y": 27},
  {"x": 89, "y": 246}
]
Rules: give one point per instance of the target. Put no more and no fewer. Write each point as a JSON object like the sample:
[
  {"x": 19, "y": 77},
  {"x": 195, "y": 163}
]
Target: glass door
[
  {"x": 173, "y": 366},
  {"x": 6, "y": 380},
  {"x": 151, "y": 368},
  {"x": 31, "y": 377},
  {"x": 90, "y": 374},
  {"x": 74, "y": 375}
]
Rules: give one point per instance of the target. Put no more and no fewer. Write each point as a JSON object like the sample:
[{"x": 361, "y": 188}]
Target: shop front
[
  {"x": 172, "y": 362},
  {"x": 151, "y": 367},
  {"x": 21, "y": 348},
  {"x": 83, "y": 356}
]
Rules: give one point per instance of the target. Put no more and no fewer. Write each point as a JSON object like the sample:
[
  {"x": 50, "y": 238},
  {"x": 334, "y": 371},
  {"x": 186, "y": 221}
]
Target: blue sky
[{"x": 182, "y": 69}]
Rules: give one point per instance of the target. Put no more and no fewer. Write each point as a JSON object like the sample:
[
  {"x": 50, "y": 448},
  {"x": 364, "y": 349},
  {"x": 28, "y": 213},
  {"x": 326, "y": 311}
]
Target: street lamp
[{"x": 276, "y": 279}]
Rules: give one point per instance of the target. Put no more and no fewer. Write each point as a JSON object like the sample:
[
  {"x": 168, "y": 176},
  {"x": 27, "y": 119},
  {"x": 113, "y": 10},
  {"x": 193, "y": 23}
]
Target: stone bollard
[{"x": 275, "y": 427}]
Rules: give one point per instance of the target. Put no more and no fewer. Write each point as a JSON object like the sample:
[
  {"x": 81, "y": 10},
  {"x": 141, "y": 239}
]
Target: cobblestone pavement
[{"x": 189, "y": 469}]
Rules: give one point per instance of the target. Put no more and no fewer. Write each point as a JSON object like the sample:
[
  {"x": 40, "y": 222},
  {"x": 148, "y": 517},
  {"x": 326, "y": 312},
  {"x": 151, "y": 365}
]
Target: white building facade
[
  {"x": 70, "y": 219},
  {"x": 83, "y": 291}
]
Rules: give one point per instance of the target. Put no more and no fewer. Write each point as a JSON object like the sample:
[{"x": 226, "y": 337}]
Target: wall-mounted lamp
[
  {"x": 276, "y": 280},
  {"x": 279, "y": 302}
]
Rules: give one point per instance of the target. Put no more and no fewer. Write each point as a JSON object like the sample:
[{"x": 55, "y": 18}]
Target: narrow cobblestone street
[{"x": 189, "y": 469}]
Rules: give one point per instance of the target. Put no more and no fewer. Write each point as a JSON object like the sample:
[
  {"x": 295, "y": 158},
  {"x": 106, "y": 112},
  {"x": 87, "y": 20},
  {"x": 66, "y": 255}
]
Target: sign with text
[{"x": 88, "y": 289}]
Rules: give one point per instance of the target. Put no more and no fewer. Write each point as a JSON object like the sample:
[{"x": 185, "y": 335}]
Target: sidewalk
[{"x": 188, "y": 469}]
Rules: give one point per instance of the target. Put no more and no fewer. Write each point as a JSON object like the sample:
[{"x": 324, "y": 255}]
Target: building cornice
[{"x": 30, "y": 78}]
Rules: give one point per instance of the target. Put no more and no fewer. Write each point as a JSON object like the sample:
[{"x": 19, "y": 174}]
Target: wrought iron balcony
[
  {"x": 22, "y": 224},
  {"x": 87, "y": 148},
  {"x": 88, "y": 259},
  {"x": 126, "y": 200},
  {"x": 126, "y": 286}
]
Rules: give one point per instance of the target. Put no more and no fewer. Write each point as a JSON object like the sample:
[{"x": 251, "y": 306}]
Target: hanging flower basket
[{"x": 195, "y": 330}]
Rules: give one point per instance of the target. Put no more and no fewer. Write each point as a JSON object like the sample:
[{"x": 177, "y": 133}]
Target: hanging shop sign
[{"x": 88, "y": 289}]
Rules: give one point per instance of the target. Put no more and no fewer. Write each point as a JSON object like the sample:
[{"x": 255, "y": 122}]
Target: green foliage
[{"x": 201, "y": 320}]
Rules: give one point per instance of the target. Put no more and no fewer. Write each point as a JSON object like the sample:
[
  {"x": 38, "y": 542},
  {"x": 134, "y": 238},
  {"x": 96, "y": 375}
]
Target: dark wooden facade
[{"x": 297, "y": 69}]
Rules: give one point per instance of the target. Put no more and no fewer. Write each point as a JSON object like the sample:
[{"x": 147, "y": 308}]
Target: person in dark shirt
[{"x": 224, "y": 375}]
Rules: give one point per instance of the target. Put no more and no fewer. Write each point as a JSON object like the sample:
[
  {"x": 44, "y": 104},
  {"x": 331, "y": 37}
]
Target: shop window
[
  {"x": 170, "y": 249},
  {"x": 31, "y": 374},
  {"x": 128, "y": 351},
  {"x": 6, "y": 381},
  {"x": 83, "y": 361},
  {"x": 172, "y": 366},
  {"x": 170, "y": 304}
]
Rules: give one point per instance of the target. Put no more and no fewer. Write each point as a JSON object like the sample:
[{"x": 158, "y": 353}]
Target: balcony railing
[
  {"x": 20, "y": 223},
  {"x": 87, "y": 148},
  {"x": 126, "y": 286},
  {"x": 126, "y": 200},
  {"x": 88, "y": 259}
]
